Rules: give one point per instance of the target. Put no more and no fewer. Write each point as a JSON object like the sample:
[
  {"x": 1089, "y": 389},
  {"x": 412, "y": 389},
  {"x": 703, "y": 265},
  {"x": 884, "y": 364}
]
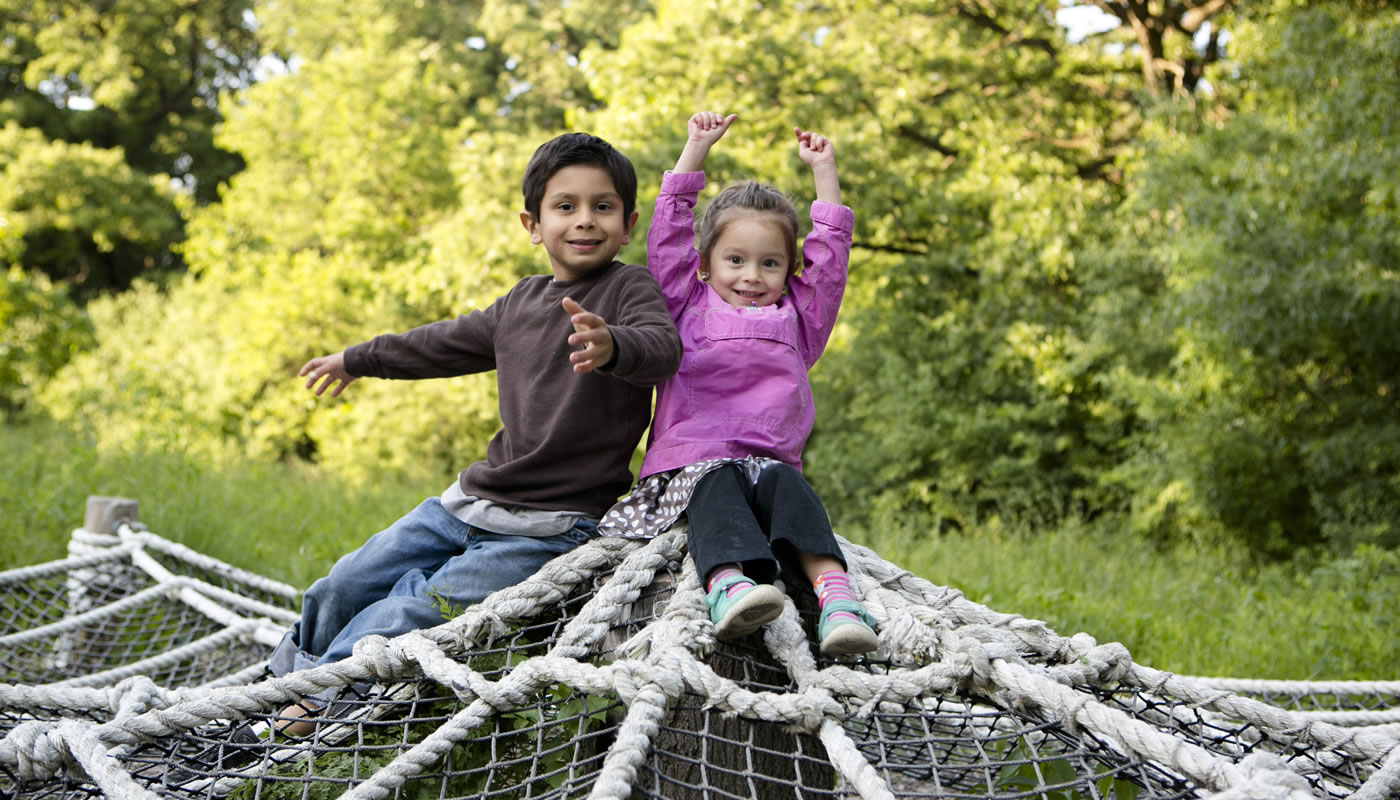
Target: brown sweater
[{"x": 566, "y": 440}]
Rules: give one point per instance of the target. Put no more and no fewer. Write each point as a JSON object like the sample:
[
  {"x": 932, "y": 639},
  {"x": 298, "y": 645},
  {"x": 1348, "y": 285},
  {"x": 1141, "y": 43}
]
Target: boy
[{"x": 576, "y": 355}]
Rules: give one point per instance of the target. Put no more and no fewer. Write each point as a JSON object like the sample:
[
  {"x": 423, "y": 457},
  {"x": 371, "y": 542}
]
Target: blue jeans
[{"x": 391, "y": 584}]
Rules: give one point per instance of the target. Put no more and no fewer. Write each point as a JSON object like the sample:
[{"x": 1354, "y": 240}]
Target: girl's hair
[{"x": 747, "y": 197}]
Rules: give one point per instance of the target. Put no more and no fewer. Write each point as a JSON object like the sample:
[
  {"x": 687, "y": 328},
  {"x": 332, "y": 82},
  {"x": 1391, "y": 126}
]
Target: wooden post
[
  {"x": 86, "y": 650},
  {"x": 104, "y": 514}
]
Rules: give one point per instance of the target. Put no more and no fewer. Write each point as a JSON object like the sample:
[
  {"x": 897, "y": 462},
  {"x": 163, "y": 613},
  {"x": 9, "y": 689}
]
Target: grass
[
  {"x": 1191, "y": 608},
  {"x": 289, "y": 522},
  {"x": 1204, "y": 610}
]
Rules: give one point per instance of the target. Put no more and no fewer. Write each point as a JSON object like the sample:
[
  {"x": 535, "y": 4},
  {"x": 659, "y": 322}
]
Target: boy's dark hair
[{"x": 578, "y": 148}]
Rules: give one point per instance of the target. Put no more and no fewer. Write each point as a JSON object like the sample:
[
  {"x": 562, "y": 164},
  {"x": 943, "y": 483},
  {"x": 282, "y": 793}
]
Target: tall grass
[
  {"x": 286, "y": 521},
  {"x": 1210, "y": 610},
  {"x": 1201, "y": 609}
]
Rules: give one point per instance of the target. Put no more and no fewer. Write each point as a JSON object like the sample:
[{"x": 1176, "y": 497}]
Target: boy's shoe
[
  {"x": 746, "y": 610},
  {"x": 229, "y": 747},
  {"x": 844, "y": 636}
]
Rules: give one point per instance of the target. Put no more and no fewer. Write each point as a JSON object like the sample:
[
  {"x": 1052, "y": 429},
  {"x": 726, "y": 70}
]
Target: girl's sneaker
[
  {"x": 844, "y": 635},
  {"x": 746, "y": 610}
]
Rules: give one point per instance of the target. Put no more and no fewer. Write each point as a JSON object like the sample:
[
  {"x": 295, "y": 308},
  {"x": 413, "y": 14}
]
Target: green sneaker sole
[
  {"x": 848, "y": 639},
  {"x": 759, "y": 606}
]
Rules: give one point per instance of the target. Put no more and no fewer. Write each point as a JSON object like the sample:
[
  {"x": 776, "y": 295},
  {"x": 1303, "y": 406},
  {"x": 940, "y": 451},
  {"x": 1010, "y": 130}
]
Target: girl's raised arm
[
  {"x": 706, "y": 128},
  {"x": 817, "y": 152}
]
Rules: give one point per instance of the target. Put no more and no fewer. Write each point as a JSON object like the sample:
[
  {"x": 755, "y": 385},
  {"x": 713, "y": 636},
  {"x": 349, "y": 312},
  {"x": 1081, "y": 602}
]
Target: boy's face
[{"x": 581, "y": 224}]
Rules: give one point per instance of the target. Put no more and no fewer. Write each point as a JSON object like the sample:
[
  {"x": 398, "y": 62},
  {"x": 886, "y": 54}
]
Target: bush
[{"x": 44, "y": 330}]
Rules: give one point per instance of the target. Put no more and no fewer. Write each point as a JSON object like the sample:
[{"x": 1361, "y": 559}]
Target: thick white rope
[
  {"x": 64, "y": 566},
  {"x": 1297, "y": 688},
  {"x": 1384, "y": 783},
  {"x": 959, "y": 644},
  {"x": 128, "y": 535}
]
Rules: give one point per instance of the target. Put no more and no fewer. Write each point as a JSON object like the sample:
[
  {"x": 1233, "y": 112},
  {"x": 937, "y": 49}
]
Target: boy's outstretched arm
[
  {"x": 592, "y": 334},
  {"x": 706, "y": 128},
  {"x": 330, "y": 371},
  {"x": 817, "y": 152}
]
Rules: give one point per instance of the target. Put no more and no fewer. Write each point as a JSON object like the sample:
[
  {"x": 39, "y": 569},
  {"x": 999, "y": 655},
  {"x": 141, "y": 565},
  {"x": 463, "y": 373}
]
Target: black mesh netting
[{"x": 967, "y": 740}]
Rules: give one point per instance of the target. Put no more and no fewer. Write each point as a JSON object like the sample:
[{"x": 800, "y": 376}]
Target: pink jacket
[{"x": 742, "y": 387}]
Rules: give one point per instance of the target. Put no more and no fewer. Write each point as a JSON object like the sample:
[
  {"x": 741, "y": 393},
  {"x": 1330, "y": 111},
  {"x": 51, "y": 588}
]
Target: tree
[
  {"x": 382, "y": 192},
  {"x": 110, "y": 113},
  {"x": 978, "y": 148},
  {"x": 1164, "y": 32},
  {"x": 1266, "y": 242}
]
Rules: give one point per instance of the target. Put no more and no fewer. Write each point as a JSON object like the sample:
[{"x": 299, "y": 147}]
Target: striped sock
[
  {"x": 725, "y": 572},
  {"x": 835, "y": 585}
]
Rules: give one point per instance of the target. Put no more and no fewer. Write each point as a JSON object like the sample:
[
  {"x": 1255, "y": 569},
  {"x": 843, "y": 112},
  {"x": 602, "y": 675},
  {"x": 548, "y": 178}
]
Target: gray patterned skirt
[{"x": 657, "y": 501}]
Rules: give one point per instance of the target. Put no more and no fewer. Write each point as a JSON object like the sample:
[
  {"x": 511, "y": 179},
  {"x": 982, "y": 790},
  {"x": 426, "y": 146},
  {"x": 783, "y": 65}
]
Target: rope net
[{"x": 136, "y": 668}]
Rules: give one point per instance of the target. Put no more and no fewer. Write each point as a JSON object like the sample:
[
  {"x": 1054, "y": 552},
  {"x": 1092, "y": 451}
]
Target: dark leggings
[{"x": 762, "y": 527}]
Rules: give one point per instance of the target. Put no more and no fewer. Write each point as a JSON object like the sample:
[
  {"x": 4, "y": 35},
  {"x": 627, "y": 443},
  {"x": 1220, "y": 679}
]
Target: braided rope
[{"x": 940, "y": 642}]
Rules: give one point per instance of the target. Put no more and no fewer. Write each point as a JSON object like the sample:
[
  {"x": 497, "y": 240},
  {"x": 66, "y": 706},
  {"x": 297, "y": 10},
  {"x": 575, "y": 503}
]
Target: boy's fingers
[
  {"x": 586, "y": 321},
  {"x": 577, "y": 314}
]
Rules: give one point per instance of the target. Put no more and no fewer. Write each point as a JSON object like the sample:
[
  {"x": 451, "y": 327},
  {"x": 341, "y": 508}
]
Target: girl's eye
[
  {"x": 735, "y": 260},
  {"x": 770, "y": 264}
]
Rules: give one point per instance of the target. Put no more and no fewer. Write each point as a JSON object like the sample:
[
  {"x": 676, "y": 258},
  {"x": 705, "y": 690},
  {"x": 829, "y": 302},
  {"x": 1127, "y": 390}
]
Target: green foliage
[
  {"x": 1194, "y": 608},
  {"x": 286, "y": 521},
  {"x": 43, "y": 331},
  {"x": 81, "y": 213},
  {"x": 103, "y": 111},
  {"x": 1067, "y": 299},
  {"x": 1208, "y": 609},
  {"x": 1272, "y": 266}
]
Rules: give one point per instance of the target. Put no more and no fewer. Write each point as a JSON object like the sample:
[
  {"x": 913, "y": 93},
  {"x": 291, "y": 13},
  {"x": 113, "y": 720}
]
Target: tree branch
[
  {"x": 1009, "y": 36},
  {"x": 931, "y": 142},
  {"x": 1194, "y": 18},
  {"x": 892, "y": 248}
]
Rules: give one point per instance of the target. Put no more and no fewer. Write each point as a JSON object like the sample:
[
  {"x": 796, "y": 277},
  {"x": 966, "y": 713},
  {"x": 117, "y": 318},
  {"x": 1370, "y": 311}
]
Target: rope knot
[
  {"x": 1108, "y": 663},
  {"x": 135, "y": 695},
  {"x": 36, "y": 751},
  {"x": 376, "y": 654}
]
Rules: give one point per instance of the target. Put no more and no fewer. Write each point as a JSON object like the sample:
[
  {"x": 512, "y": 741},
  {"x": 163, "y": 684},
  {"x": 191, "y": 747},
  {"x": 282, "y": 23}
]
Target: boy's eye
[
  {"x": 565, "y": 207},
  {"x": 604, "y": 207}
]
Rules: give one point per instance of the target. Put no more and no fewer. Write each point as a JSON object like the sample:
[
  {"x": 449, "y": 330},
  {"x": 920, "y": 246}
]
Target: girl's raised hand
[
  {"x": 706, "y": 127},
  {"x": 813, "y": 148}
]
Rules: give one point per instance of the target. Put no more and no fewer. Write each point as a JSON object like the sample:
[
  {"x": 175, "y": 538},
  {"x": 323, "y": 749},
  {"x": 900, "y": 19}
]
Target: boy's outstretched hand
[
  {"x": 592, "y": 334},
  {"x": 330, "y": 371}
]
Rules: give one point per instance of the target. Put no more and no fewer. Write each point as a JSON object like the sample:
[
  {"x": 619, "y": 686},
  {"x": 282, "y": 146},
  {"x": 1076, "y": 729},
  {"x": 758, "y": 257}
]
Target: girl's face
[{"x": 749, "y": 262}]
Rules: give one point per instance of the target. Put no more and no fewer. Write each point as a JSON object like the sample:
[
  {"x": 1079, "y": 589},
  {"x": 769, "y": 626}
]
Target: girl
[{"x": 728, "y": 430}]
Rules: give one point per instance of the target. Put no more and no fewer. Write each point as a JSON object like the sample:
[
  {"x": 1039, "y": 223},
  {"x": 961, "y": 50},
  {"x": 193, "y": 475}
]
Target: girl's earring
[{"x": 705, "y": 276}]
